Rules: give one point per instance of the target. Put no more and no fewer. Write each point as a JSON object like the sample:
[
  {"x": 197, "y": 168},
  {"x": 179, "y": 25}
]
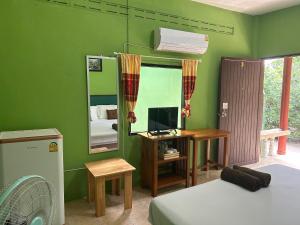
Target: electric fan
[{"x": 28, "y": 201}]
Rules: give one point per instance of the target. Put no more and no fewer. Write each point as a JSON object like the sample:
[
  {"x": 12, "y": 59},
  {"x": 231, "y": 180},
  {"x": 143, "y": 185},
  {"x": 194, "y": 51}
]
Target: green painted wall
[
  {"x": 104, "y": 82},
  {"x": 43, "y": 77},
  {"x": 278, "y": 33}
]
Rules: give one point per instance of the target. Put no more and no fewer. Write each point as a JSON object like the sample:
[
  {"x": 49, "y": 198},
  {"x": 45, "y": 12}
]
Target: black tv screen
[{"x": 162, "y": 118}]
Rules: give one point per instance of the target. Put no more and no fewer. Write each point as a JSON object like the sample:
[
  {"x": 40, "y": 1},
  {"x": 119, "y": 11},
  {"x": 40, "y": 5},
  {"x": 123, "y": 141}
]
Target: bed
[
  {"x": 222, "y": 203},
  {"x": 102, "y": 132}
]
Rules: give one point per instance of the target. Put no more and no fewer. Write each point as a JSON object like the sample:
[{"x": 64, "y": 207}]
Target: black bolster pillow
[
  {"x": 241, "y": 179},
  {"x": 264, "y": 178}
]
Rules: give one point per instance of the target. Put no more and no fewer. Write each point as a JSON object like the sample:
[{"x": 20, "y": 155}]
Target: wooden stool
[{"x": 110, "y": 169}]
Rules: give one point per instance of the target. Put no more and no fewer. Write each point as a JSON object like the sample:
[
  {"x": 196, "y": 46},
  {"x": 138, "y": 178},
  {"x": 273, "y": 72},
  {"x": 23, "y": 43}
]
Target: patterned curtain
[
  {"x": 131, "y": 67},
  {"x": 189, "y": 73}
]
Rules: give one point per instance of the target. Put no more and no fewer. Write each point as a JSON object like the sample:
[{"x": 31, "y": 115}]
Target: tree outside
[
  {"x": 272, "y": 96},
  {"x": 294, "y": 112}
]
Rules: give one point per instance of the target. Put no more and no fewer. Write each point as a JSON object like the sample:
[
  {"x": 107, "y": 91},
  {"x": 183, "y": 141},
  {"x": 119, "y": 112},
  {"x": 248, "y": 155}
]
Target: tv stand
[{"x": 158, "y": 173}]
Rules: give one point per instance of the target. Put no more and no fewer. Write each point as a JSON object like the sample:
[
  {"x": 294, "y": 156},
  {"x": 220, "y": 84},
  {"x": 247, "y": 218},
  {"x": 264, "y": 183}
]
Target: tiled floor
[{"x": 81, "y": 213}]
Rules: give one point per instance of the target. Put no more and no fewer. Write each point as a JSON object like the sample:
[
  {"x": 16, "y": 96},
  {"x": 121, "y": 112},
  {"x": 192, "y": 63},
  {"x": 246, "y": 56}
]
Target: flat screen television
[{"x": 162, "y": 119}]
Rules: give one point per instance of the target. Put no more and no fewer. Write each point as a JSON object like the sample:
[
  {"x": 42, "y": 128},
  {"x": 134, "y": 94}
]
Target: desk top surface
[
  {"x": 109, "y": 167},
  {"x": 206, "y": 133}
]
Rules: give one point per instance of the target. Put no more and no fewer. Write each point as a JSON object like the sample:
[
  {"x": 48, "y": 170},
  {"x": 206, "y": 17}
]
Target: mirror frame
[{"x": 88, "y": 103}]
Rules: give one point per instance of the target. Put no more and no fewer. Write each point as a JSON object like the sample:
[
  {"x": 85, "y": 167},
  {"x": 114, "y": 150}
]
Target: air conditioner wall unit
[{"x": 180, "y": 41}]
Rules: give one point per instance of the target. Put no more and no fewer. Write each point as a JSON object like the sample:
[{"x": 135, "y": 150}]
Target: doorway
[{"x": 282, "y": 92}]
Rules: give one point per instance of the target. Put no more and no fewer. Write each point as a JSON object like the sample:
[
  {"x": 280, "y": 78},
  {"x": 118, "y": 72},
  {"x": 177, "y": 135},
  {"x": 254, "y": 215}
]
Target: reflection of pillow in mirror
[
  {"x": 93, "y": 110},
  {"x": 101, "y": 110},
  {"x": 114, "y": 126},
  {"x": 112, "y": 114}
]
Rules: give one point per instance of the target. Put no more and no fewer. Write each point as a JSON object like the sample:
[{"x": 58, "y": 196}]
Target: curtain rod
[
  {"x": 242, "y": 60},
  {"x": 158, "y": 57}
]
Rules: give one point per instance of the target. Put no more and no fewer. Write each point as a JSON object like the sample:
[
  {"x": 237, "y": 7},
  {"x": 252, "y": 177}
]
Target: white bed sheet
[
  {"x": 222, "y": 203},
  {"x": 102, "y": 132}
]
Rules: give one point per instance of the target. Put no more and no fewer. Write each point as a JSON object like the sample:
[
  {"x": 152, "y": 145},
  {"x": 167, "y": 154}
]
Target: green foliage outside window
[
  {"x": 272, "y": 96},
  {"x": 294, "y": 113}
]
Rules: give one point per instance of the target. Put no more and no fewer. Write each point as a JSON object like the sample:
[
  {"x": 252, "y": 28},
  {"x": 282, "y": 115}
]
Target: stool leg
[
  {"x": 207, "y": 155},
  {"x": 271, "y": 147},
  {"x": 128, "y": 190},
  {"x": 100, "y": 196},
  {"x": 115, "y": 186},
  {"x": 91, "y": 187}
]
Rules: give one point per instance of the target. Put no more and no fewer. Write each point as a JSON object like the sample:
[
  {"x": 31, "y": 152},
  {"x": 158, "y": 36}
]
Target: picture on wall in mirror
[
  {"x": 103, "y": 104},
  {"x": 95, "y": 64}
]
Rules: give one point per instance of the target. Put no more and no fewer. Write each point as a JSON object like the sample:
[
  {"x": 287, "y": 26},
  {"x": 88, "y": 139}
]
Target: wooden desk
[
  {"x": 208, "y": 135},
  {"x": 110, "y": 169}
]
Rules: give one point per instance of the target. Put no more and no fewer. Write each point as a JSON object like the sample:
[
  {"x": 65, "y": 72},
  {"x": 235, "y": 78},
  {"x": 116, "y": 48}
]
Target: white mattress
[
  {"x": 222, "y": 203},
  {"x": 102, "y": 132}
]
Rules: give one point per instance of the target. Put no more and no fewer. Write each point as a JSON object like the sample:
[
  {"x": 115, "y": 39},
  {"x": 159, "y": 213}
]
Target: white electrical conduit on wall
[{"x": 71, "y": 170}]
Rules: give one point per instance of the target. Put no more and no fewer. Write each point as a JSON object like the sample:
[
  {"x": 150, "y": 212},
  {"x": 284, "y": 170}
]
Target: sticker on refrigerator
[{"x": 53, "y": 147}]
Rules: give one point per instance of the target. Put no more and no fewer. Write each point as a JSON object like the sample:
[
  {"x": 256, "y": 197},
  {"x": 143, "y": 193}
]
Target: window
[{"x": 159, "y": 87}]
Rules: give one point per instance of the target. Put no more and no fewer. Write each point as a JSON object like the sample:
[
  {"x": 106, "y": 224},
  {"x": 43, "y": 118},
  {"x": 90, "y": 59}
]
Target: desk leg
[
  {"x": 100, "y": 196},
  {"x": 225, "y": 153},
  {"x": 115, "y": 186},
  {"x": 128, "y": 190},
  {"x": 91, "y": 187},
  {"x": 207, "y": 155},
  {"x": 187, "y": 162},
  {"x": 194, "y": 164}
]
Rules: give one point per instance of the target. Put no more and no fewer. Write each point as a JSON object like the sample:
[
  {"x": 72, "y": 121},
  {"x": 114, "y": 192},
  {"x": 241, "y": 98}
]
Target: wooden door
[{"x": 241, "y": 107}]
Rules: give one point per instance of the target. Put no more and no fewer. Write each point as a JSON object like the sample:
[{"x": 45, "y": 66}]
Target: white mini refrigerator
[{"x": 34, "y": 152}]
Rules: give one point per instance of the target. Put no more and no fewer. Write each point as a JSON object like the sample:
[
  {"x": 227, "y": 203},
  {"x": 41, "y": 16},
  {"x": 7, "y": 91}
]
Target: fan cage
[{"x": 33, "y": 197}]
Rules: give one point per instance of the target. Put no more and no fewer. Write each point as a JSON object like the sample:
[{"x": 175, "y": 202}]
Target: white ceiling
[{"x": 252, "y": 7}]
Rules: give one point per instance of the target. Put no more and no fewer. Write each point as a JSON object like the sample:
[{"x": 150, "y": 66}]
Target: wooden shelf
[
  {"x": 169, "y": 180},
  {"x": 163, "y": 161},
  {"x": 158, "y": 173}
]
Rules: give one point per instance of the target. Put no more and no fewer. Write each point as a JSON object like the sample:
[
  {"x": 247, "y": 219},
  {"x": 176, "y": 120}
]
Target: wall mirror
[{"x": 102, "y": 81}]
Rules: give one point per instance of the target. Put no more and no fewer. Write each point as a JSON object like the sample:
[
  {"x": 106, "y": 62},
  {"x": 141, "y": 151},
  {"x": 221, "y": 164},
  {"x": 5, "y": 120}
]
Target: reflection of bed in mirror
[
  {"x": 103, "y": 122},
  {"x": 102, "y": 86}
]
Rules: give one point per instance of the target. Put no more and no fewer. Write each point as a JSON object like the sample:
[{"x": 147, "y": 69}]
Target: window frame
[{"x": 183, "y": 121}]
